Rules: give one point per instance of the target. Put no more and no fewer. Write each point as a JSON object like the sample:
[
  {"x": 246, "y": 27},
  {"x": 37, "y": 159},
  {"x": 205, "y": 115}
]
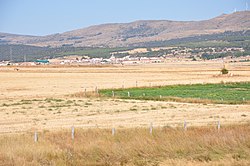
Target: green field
[{"x": 230, "y": 93}]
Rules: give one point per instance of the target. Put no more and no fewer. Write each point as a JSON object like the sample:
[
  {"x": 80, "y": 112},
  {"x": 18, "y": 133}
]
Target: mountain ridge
[{"x": 134, "y": 33}]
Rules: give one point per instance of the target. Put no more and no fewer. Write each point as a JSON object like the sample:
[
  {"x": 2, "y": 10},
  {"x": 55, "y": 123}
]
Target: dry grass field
[
  {"x": 49, "y": 114},
  {"x": 43, "y": 99},
  {"x": 136, "y": 146},
  {"x": 33, "y": 82}
]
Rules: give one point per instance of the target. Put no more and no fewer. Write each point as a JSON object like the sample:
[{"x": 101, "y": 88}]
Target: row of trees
[{"x": 209, "y": 56}]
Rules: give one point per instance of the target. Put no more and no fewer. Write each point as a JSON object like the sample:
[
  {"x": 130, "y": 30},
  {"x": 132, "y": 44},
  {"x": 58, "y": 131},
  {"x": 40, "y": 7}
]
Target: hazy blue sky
[{"x": 42, "y": 17}]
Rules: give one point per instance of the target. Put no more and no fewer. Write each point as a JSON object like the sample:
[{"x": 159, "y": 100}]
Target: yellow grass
[{"x": 134, "y": 146}]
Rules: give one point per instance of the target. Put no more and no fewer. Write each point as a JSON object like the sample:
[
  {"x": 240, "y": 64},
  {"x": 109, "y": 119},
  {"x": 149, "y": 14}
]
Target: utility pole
[
  {"x": 10, "y": 54},
  {"x": 24, "y": 58}
]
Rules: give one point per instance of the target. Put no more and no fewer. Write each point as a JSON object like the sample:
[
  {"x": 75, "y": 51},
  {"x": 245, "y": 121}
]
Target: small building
[{"x": 39, "y": 61}]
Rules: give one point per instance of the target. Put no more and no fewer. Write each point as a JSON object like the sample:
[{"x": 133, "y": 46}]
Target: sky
[{"x": 44, "y": 17}]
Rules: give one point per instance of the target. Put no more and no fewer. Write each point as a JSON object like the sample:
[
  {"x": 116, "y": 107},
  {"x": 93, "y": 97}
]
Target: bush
[{"x": 224, "y": 71}]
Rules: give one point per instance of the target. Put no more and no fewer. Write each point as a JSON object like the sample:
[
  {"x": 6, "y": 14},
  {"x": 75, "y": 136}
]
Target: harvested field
[
  {"x": 50, "y": 114},
  {"x": 33, "y": 82}
]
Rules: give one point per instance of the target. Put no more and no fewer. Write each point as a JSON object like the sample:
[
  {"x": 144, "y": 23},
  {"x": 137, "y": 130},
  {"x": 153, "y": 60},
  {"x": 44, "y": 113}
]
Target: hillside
[
  {"x": 135, "y": 33},
  {"x": 220, "y": 40}
]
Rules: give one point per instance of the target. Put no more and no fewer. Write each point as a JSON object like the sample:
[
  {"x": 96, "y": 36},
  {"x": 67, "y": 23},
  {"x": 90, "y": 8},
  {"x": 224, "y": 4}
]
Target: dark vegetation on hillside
[
  {"x": 228, "y": 38},
  {"x": 19, "y": 53}
]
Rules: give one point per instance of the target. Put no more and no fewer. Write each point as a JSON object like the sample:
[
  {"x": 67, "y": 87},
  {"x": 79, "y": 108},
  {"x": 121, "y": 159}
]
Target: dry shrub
[{"x": 224, "y": 71}]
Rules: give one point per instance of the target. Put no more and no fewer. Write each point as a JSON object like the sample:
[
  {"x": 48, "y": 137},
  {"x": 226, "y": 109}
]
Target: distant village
[{"x": 135, "y": 56}]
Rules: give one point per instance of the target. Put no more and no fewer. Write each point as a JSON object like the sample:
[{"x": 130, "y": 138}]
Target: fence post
[
  {"x": 113, "y": 94},
  {"x": 113, "y": 131},
  {"x": 96, "y": 90},
  {"x": 36, "y": 137},
  {"x": 128, "y": 94},
  {"x": 185, "y": 125},
  {"x": 218, "y": 125},
  {"x": 151, "y": 128},
  {"x": 160, "y": 96},
  {"x": 85, "y": 92},
  {"x": 73, "y": 132}
]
